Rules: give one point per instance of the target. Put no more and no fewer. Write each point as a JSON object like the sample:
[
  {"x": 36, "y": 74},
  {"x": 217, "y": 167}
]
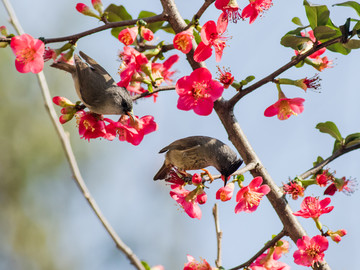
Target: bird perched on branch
[
  {"x": 96, "y": 88},
  {"x": 198, "y": 152}
]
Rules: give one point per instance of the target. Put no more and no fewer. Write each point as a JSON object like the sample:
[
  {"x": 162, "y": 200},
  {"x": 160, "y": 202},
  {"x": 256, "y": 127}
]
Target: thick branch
[
  {"x": 71, "y": 157},
  {"x": 328, "y": 160},
  {"x": 282, "y": 69},
  {"x": 269, "y": 244}
]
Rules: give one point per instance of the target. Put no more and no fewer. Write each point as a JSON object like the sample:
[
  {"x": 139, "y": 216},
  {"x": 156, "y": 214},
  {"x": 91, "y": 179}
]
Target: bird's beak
[
  {"x": 225, "y": 178},
  {"x": 131, "y": 114}
]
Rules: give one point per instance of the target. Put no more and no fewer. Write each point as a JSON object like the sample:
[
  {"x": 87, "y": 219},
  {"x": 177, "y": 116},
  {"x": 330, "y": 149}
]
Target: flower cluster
[{"x": 128, "y": 35}]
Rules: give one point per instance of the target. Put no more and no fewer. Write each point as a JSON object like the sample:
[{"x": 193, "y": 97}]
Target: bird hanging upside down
[
  {"x": 96, "y": 88},
  {"x": 198, "y": 152}
]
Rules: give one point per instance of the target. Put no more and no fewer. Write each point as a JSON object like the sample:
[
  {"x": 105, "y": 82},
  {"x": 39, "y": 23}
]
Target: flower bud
[
  {"x": 65, "y": 118},
  {"x": 62, "y": 101},
  {"x": 196, "y": 179},
  {"x": 84, "y": 9},
  {"x": 147, "y": 34},
  {"x": 97, "y": 4},
  {"x": 201, "y": 198}
]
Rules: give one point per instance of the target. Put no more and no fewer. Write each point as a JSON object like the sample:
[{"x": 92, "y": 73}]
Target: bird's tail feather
[
  {"x": 64, "y": 66},
  {"x": 164, "y": 170}
]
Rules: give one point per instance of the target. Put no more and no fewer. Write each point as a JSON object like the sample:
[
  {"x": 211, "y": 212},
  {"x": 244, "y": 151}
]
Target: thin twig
[
  {"x": 285, "y": 67},
  {"x": 203, "y": 8},
  {"x": 158, "y": 89},
  {"x": 75, "y": 37},
  {"x": 269, "y": 244},
  {"x": 71, "y": 157},
  {"x": 321, "y": 165},
  {"x": 218, "y": 234},
  {"x": 241, "y": 171}
]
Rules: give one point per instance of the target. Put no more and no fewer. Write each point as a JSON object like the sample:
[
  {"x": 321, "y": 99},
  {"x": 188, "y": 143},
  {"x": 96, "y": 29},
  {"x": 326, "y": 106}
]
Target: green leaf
[
  {"x": 197, "y": 36},
  {"x": 318, "y": 161},
  {"x": 297, "y": 21},
  {"x": 337, "y": 146},
  {"x": 167, "y": 28},
  {"x": 331, "y": 129},
  {"x": 117, "y": 14},
  {"x": 352, "y": 139},
  {"x": 351, "y": 4},
  {"x": 352, "y": 44},
  {"x": 316, "y": 14},
  {"x": 324, "y": 32},
  {"x": 250, "y": 78},
  {"x": 339, "y": 48},
  {"x": 294, "y": 42},
  {"x": 152, "y": 26},
  {"x": 146, "y": 265},
  {"x": 297, "y": 31}
]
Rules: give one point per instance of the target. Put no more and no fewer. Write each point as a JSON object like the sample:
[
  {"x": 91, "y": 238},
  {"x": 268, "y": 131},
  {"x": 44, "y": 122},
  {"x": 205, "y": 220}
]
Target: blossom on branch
[
  {"x": 198, "y": 92},
  {"x": 308, "y": 45},
  {"x": 230, "y": 8},
  {"x": 187, "y": 200},
  {"x": 249, "y": 197},
  {"x": 212, "y": 35},
  {"x": 295, "y": 189},
  {"x": 127, "y": 36},
  {"x": 225, "y": 193},
  {"x": 311, "y": 207},
  {"x": 192, "y": 264},
  {"x": 225, "y": 77},
  {"x": 255, "y": 8},
  {"x": 267, "y": 262},
  {"x": 29, "y": 53},
  {"x": 310, "y": 251},
  {"x": 183, "y": 40}
]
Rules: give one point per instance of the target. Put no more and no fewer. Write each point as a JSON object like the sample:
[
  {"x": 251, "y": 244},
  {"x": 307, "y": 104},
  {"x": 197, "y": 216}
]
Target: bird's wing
[{"x": 185, "y": 144}]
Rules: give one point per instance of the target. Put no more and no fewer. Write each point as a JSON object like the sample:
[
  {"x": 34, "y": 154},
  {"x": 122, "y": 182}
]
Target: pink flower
[
  {"x": 49, "y": 54},
  {"x": 267, "y": 262},
  {"x": 322, "y": 179},
  {"x": 285, "y": 107},
  {"x": 84, "y": 9},
  {"x": 162, "y": 70},
  {"x": 196, "y": 179},
  {"x": 313, "y": 82},
  {"x": 225, "y": 193},
  {"x": 211, "y": 36},
  {"x": 192, "y": 264},
  {"x": 91, "y": 125},
  {"x": 225, "y": 77},
  {"x": 311, "y": 250},
  {"x": 147, "y": 34},
  {"x": 308, "y": 45},
  {"x": 255, "y": 8},
  {"x": 336, "y": 236},
  {"x": 281, "y": 247},
  {"x": 29, "y": 53},
  {"x": 186, "y": 200},
  {"x": 341, "y": 184},
  {"x": 230, "y": 8},
  {"x": 132, "y": 131},
  {"x": 198, "y": 92},
  {"x": 295, "y": 189},
  {"x": 136, "y": 88},
  {"x": 127, "y": 36},
  {"x": 249, "y": 197},
  {"x": 311, "y": 207},
  {"x": 183, "y": 40},
  {"x": 322, "y": 63}
]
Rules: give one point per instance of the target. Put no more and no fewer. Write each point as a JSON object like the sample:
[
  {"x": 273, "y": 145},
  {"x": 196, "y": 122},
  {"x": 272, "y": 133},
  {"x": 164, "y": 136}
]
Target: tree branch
[
  {"x": 321, "y": 165},
  {"x": 71, "y": 157},
  {"x": 158, "y": 89},
  {"x": 285, "y": 67},
  {"x": 218, "y": 234},
  {"x": 269, "y": 244}
]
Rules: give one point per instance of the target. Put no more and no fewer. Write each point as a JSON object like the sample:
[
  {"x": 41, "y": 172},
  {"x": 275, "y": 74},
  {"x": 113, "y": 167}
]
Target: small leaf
[
  {"x": 324, "y": 32},
  {"x": 331, "y": 129},
  {"x": 352, "y": 139},
  {"x": 352, "y": 44},
  {"x": 146, "y": 265},
  {"x": 351, "y": 4},
  {"x": 316, "y": 14},
  {"x": 297, "y": 31},
  {"x": 294, "y": 42},
  {"x": 318, "y": 161},
  {"x": 339, "y": 48},
  {"x": 337, "y": 146},
  {"x": 197, "y": 36},
  {"x": 297, "y": 21},
  {"x": 250, "y": 78},
  {"x": 117, "y": 14},
  {"x": 152, "y": 26},
  {"x": 167, "y": 28}
]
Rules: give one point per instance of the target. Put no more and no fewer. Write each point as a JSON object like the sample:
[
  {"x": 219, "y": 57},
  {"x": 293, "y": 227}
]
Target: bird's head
[{"x": 229, "y": 170}]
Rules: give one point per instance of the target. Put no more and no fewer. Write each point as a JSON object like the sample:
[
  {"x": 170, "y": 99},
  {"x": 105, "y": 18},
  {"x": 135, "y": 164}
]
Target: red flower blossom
[
  {"x": 196, "y": 179},
  {"x": 313, "y": 83},
  {"x": 211, "y": 36},
  {"x": 50, "y": 54},
  {"x": 249, "y": 197},
  {"x": 281, "y": 247},
  {"x": 198, "y": 92},
  {"x": 255, "y": 8},
  {"x": 308, "y": 45},
  {"x": 323, "y": 178},
  {"x": 29, "y": 53},
  {"x": 175, "y": 177},
  {"x": 163, "y": 70},
  {"x": 183, "y": 40},
  {"x": 336, "y": 236},
  {"x": 341, "y": 184},
  {"x": 267, "y": 262},
  {"x": 201, "y": 198},
  {"x": 225, "y": 193},
  {"x": 127, "y": 36},
  {"x": 91, "y": 126},
  {"x": 285, "y": 107},
  {"x": 225, "y": 77},
  {"x": 192, "y": 264},
  {"x": 187, "y": 201},
  {"x": 322, "y": 63},
  {"x": 230, "y": 8},
  {"x": 310, "y": 251},
  {"x": 130, "y": 131},
  {"x": 311, "y": 207},
  {"x": 146, "y": 33},
  {"x": 295, "y": 189}
]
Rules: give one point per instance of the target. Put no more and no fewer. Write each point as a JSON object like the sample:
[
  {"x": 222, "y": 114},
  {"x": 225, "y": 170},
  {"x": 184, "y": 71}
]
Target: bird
[
  {"x": 96, "y": 88},
  {"x": 199, "y": 152}
]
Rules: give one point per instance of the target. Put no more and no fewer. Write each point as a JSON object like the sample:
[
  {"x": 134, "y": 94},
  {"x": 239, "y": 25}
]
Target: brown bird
[
  {"x": 96, "y": 88},
  {"x": 198, "y": 152}
]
